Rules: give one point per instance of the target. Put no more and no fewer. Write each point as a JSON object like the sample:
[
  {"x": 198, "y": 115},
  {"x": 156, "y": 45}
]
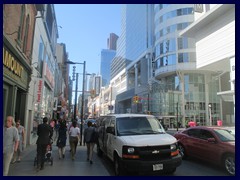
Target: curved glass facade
[{"x": 185, "y": 92}]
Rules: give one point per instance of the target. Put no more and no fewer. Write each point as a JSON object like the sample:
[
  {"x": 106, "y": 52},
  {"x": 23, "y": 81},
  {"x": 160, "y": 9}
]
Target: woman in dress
[{"x": 62, "y": 137}]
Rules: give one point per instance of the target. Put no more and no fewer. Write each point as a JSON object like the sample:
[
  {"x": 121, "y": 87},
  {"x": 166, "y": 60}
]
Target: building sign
[
  {"x": 11, "y": 63},
  {"x": 39, "y": 90},
  {"x": 14, "y": 70},
  {"x": 48, "y": 74},
  {"x": 198, "y": 8}
]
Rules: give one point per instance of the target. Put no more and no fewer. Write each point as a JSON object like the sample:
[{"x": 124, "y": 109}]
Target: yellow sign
[{"x": 11, "y": 63}]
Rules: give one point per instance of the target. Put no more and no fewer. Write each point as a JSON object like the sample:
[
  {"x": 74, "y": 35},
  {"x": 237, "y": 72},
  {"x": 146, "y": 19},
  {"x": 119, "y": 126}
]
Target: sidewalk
[{"x": 60, "y": 167}]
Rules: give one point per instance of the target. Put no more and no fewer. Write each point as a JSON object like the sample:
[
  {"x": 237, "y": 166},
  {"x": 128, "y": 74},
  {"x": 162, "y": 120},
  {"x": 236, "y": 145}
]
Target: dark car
[{"x": 212, "y": 144}]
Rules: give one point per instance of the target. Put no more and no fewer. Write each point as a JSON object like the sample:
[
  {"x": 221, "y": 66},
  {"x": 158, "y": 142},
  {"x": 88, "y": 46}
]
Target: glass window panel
[
  {"x": 161, "y": 62},
  {"x": 180, "y": 57}
]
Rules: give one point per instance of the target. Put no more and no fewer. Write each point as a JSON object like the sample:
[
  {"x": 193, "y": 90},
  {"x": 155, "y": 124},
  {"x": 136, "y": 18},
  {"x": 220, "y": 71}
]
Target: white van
[{"x": 137, "y": 142}]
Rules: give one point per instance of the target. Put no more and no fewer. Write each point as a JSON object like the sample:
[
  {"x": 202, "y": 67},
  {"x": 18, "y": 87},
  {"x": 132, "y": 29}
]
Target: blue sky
[{"x": 85, "y": 29}]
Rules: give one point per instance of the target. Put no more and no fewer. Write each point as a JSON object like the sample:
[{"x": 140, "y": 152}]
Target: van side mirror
[{"x": 110, "y": 130}]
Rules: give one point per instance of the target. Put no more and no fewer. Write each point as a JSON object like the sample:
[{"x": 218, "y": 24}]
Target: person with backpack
[{"x": 90, "y": 138}]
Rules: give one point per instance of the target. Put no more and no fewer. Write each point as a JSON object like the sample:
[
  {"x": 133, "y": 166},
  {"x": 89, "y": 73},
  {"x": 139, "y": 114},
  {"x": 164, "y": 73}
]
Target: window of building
[
  {"x": 25, "y": 39},
  {"x": 21, "y": 25}
]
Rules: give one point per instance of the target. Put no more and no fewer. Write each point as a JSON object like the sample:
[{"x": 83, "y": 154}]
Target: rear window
[
  {"x": 225, "y": 135},
  {"x": 138, "y": 125}
]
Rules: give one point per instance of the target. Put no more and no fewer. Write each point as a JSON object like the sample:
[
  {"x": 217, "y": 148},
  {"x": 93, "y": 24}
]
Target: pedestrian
[
  {"x": 21, "y": 133},
  {"x": 61, "y": 141},
  {"x": 56, "y": 128},
  {"x": 74, "y": 135},
  {"x": 45, "y": 133},
  {"x": 90, "y": 135},
  {"x": 68, "y": 129},
  {"x": 10, "y": 143}
]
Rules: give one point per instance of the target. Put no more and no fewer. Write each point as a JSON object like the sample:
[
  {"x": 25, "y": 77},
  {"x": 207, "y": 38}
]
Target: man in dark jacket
[{"x": 44, "y": 133}]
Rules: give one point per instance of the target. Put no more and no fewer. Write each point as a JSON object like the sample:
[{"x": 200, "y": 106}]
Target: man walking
[
  {"x": 90, "y": 135},
  {"x": 10, "y": 143},
  {"x": 44, "y": 133}
]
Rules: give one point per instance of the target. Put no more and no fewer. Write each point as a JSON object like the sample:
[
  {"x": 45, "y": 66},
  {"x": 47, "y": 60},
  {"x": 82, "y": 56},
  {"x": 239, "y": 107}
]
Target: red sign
[{"x": 39, "y": 90}]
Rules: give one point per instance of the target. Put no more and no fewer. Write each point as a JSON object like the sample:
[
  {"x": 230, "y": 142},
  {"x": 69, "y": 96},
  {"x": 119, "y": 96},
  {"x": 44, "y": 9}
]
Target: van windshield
[{"x": 138, "y": 125}]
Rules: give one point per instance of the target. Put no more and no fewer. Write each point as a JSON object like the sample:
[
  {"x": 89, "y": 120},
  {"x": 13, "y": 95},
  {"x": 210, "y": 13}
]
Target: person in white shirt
[
  {"x": 10, "y": 143},
  {"x": 74, "y": 136}
]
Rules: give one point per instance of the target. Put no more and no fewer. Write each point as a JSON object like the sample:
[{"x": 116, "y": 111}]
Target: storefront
[{"x": 16, "y": 78}]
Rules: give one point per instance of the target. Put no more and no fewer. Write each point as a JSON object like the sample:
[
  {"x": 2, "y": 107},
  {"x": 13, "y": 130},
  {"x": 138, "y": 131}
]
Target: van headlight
[
  {"x": 129, "y": 152},
  {"x": 173, "y": 147},
  {"x": 174, "y": 150}
]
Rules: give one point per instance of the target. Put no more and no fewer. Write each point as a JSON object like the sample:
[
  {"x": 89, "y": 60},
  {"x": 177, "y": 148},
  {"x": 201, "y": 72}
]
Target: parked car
[
  {"x": 137, "y": 142},
  {"x": 212, "y": 144}
]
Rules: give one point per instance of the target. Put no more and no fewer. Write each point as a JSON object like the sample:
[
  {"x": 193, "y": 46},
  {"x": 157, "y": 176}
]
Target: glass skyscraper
[{"x": 106, "y": 58}]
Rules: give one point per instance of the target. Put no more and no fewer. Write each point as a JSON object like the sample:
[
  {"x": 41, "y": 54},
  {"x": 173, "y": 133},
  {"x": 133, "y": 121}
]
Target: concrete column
[
  {"x": 181, "y": 78},
  {"x": 207, "y": 98}
]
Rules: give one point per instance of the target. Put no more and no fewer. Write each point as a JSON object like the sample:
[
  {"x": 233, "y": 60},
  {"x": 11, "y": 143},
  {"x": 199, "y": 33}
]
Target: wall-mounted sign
[
  {"x": 11, "y": 63},
  {"x": 39, "y": 90}
]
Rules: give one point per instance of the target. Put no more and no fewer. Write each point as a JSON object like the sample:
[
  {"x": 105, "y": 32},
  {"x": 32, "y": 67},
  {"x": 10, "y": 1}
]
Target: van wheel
[
  {"x": 99, "y": 151},
  {"x": 229, "y": 164},
  {"x": 117, "y": 167}
]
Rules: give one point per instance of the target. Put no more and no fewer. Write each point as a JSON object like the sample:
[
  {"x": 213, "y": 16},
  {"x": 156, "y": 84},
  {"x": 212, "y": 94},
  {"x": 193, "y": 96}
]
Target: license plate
[{"x": 157, "y": 167}]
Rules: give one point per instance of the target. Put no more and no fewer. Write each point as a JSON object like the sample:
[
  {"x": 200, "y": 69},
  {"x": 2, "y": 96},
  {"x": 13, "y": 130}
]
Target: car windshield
[
  {"x": 138, "y": 126},
  {"x": 225, "y": 135}
]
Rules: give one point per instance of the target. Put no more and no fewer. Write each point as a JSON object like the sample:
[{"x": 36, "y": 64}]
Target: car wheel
[
  {"x": 182, "y": 151},
  {"x": 229, "y": 164},
  {"x": 117, "y": 167}
]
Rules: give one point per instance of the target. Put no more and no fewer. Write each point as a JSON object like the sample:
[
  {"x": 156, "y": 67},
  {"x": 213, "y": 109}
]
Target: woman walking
[
  {"x": 74, "y": 135},
  {"x": 61, "y": 141},
  {"x": 21, "y": 133}
]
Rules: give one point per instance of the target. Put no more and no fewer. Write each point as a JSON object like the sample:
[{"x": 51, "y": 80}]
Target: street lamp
[
  {"x": 210, "y": 114},
  {"x": 75, "y": 106}
]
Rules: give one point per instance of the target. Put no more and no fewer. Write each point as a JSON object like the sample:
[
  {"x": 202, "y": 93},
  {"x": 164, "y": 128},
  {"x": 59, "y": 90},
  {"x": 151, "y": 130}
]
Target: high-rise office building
[
  {"x": 112, "y": 41},
  {"x": 107, "y": 56},
  {"x": 132, "y": 42}
]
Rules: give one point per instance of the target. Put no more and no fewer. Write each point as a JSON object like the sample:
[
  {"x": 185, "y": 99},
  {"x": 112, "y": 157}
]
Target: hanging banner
[{"x": 39, "y": 90}]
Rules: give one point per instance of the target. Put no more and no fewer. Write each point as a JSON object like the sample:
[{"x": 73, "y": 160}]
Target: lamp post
[
  {"x": 84, "y": 65},
  {"x": 210, "y": 114},
  {"x": 75, "y": 106}
]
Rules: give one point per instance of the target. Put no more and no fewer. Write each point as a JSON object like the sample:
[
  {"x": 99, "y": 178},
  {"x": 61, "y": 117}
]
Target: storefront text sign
[{"x": 39, "y": 90}]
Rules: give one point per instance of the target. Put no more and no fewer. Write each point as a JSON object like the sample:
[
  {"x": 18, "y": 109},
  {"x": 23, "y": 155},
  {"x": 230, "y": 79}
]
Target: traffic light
[{"x": 135, "y": 99}]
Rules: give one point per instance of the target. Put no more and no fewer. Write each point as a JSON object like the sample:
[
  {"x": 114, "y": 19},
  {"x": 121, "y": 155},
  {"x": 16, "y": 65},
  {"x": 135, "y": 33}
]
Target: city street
[{"x": 100, "y": 167}]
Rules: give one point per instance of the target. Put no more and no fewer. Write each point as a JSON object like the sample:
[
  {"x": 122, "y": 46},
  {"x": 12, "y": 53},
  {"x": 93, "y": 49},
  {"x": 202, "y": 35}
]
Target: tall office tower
[
  {"x": 112, "y": 41},
  {"x": 133, "y": 39},
  {"x": 107, "y": 56},
  {"x": 181, "y": 88}
]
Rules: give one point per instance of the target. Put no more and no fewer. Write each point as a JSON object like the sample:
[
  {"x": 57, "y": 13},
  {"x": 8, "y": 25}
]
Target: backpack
[{"x": 94, "y": 136}]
